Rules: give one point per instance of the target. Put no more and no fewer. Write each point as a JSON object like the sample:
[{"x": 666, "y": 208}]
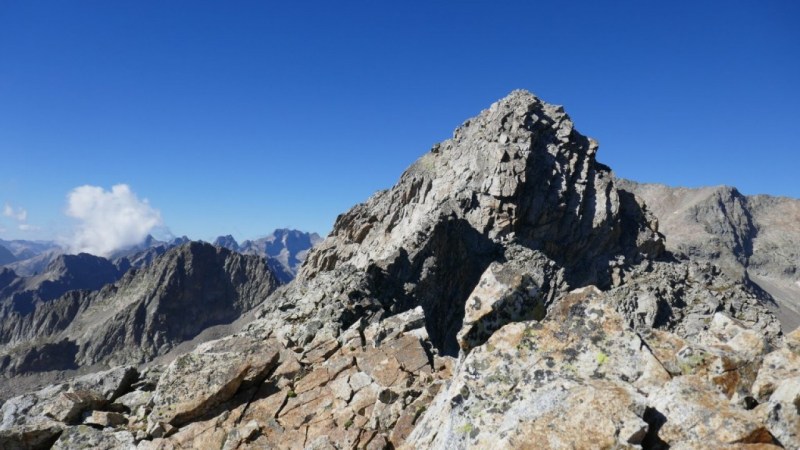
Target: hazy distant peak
[
  {"x": 6, "y": 256},
  {"x": 227, "y": 241}
]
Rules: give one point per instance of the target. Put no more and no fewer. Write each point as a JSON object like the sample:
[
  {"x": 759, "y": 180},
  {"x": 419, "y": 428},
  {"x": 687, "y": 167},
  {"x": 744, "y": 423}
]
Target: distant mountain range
[
  {"x": 61, "y": 312},
  {"x": 285, "y": 250},
  {"x": 288, "y": 247},
  {"x": 79, "y": 312},
  {"x": 28, "y": 257}
]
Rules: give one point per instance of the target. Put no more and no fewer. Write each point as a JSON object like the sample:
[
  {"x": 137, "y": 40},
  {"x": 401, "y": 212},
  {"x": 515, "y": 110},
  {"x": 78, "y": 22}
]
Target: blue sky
[{"x": 240, "y": 117}]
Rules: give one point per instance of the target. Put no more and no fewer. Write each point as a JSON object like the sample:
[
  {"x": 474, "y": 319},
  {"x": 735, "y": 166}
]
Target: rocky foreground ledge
[{"x": 506, "y": 293}]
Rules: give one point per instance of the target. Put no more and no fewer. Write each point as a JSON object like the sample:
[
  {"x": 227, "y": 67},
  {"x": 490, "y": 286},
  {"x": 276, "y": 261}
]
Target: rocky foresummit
[{"x": 505, "y": 293}]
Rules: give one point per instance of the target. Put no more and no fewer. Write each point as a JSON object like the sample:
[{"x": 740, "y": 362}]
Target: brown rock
[
  {"x": 696, "y": 413},
  {"x": 105, "y": 419}
]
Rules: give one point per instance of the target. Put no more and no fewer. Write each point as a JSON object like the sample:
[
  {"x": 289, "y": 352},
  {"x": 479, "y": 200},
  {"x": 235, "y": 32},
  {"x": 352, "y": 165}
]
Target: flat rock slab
[
  {"x": 83, "y": 436},
  {"x": 196, "y": 382}
]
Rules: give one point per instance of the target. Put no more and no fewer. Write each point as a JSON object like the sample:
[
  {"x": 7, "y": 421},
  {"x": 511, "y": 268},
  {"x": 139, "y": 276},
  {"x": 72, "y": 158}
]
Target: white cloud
[
  {"x": 27, "y": 227},
  {"x": 18, "y": 214},
  {"x": 109, "y": 220}
]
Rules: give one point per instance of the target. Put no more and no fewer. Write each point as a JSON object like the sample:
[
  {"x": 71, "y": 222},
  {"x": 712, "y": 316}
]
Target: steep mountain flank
[
  {"x": 752, "y": 238},
  {"x": 64, "y": 273},
  {"x": 505, "y": 293},
  {"x": 6, "y": 256},
  {"x": 145, "y": 314}
]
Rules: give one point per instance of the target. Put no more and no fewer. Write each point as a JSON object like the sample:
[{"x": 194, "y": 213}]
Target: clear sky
[{"x": 240, "y": 117}]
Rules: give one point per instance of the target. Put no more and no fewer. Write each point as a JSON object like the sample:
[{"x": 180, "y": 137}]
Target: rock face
[
  {"x": 582, "y": 378},
  {"x": 752, "y": 238},
  {"x": 506, "y": 293},
  {"x": 144, "y": 315}
]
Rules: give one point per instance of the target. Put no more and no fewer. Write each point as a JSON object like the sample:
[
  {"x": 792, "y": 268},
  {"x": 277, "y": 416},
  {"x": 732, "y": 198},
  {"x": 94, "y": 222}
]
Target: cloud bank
[
  {"x": 109, "y": 220},
  {"x": 18, "y": 214}
]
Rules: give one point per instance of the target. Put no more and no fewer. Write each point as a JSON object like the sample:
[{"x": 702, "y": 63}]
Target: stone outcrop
[
  {"x": 519, "y": 289},
  {"x": 36, "y": 420},
  {"x": 582, "y": 378}
]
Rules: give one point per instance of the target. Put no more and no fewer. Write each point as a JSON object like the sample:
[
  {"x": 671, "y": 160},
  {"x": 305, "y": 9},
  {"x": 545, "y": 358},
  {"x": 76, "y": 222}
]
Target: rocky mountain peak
[
  {"x": 518, "y": 171},
  {"x": 80, "y": 265}
]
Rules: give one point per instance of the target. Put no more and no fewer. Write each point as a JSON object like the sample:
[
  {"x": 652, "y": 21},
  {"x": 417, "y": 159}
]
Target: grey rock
[
  {"x": 136, "y": 401},
  {"x": 105, "y": 419},
  {"x": 211, "y": 374},
  {"x": 111, "y": 383},
  {"x": 37, "y": 419},
  {"x": 683, "y": 297},
  {"x": 543, "y": 381},
  {"x": 83, "y": 436},
  {"x": 519, "y": 289},
  {"x": 25, "y": 426}
]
